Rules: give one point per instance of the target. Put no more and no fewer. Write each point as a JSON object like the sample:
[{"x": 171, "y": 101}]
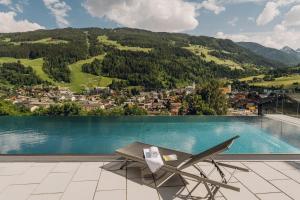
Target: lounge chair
[{"x": 134, "y": 152}]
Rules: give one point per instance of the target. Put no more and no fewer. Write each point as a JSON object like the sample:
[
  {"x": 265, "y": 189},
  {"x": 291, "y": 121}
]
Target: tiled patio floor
[{"x": 102, "y": 181}]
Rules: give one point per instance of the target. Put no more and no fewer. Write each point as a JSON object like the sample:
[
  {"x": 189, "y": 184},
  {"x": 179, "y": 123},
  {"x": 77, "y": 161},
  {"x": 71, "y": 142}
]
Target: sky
[{"x": 272, "y": 23}]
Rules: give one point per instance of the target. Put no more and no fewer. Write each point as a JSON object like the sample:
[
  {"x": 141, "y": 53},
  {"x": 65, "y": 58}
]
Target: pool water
[{"x": 103, "y": 135}]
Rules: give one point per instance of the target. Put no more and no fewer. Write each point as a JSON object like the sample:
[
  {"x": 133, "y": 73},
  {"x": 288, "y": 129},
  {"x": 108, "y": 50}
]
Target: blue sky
[{"x": 273, "y": 23}]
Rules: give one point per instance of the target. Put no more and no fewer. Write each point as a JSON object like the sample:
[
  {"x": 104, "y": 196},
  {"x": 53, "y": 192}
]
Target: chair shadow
[
  {"x": 296, "y": 165},
  {"x": 175, "y": 187}
]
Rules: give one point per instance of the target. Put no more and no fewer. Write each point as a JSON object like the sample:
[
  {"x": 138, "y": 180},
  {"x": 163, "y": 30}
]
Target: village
[{"x": 167, "y": 102}]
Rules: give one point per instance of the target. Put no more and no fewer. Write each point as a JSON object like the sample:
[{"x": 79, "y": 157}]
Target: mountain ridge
[{"x": 286, "y": 55}]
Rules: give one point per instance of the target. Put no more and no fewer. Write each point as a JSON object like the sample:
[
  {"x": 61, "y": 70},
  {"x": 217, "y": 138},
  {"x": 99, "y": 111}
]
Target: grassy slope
[
  {"x": 286, "y": 81},
  {"x": 36, "y": 64},
  {"x": 104, "y": 40},
  {"x": 41, "y": 41},
  {"x": 251, "y": 77},
  {"x": 197, "y": 49},
  {"x": 80, "y": 80}
]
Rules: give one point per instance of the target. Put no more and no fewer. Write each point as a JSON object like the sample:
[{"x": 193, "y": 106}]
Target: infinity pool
[{"x": 96, "y": 135}]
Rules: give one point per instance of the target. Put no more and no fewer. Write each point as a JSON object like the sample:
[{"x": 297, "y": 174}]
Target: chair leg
[
  {"x": 124, "y": 164},
  {"x": 219, "y": 170},
  {"x": 229, "y": 166}
]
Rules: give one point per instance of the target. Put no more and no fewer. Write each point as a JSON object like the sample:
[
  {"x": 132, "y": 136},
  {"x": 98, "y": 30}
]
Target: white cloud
[
  {"x": 212, "y": 5},
  {"x": 17, "y": 8},
  {"x": 8, "y": 23},
  {"x": 155, "y": 15},
  {"x": 277, "y": 38},
  {"x": 272, "y": 10},
  {"x": 234, "y": 37},
  {"x": 5, "y": 2},
  {"x": 268, "y": 14},
  {"x": 233, "y": 21},
  {"x": 60, "y": 10},
  {"x": 292, "y": 18}
]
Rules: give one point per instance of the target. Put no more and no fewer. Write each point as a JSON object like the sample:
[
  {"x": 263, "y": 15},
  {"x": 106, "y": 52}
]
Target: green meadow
[
  {"x": 36, "y": 64},
  {"x": 79, "y": 79},
  {"x": 285, "y": 81},
  {"x": 199, "y": 50},
  {"x": 41, "y": 41},
  {"x": 104, "y": 40}
]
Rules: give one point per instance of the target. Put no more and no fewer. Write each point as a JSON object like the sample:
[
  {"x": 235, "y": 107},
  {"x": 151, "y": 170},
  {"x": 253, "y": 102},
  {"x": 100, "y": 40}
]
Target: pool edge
[{"x": 112, "y": 157}]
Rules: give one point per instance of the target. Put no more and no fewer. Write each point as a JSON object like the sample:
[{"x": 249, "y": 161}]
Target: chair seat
[{"x": 135, "y": 152}]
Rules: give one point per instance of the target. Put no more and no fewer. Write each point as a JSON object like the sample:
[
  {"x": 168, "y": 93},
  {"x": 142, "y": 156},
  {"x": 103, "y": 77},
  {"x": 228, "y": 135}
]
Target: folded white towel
[{"x": 153, "y": 159}]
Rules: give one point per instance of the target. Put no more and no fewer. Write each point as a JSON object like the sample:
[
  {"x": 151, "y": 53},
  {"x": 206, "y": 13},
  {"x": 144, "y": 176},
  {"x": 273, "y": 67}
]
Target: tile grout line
[
  {"x": 98, "y": 180},
  {"x": 31, "y": 193},
  {"x": 75, "y": 171},
  {"x": 269, "y": 182},
  {"x": 30, "y": 183},
  {"x": 44, "y": 178},
  {"x": 283, "y": 173},
  {"x": 239, "y": 181}
]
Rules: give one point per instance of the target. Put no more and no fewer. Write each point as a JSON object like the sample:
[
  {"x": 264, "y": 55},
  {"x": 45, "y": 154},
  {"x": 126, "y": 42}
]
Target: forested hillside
[{"x": 81, "y": 58}]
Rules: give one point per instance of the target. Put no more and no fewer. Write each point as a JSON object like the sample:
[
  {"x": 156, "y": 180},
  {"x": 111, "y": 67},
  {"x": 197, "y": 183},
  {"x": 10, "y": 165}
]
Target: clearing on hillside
[
  {"x": 36, "y": 64},
  {"x": 41, "y": 41},
  {"x": 285, "y": 81},
  {"x": 200, "y": 51},
  {"x": 81, "y": 80},
  {"x": 104, "y": 40}
]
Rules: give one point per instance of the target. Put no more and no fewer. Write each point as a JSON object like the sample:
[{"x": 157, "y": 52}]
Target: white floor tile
[
  {"x": 293, "y": 174},
  {"x": 88, "y": 172},
  {"x": 45, "y": 197},
  {"x": 15, "y": 169},
  {"x": 273, "y": 196},
  {"x": 265, "y": 171},
  {"x": 137, "y": 190},
  {"x": 111, "y": 181},
  {"x": 17, "y": 192},
  {"x": 80, "y": 191},
  {"x": 54, "y": 183},
  {"x": 111, "y": 195},
  {"x": 34, "y": 175},
  {"x": 255, "y": 183},
  {"x": 243, "y": 194},
  {"x": 281, "y": 165},
  {"x": 6, "y": 181},
  {"x": 289, "y": 187},
  {"x": 66, "y": 167}
]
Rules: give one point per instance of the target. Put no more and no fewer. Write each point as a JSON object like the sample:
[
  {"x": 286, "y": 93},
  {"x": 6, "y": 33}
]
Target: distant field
[
  {"x": 42, "y": 41},
  {"x": 250, "y": 78},
  {"x": 286, "y": 81},
  {"x": 104, "y": 39},
  {"x": 81, "y": 80},
  {"x": 197, "y": 49},
  {"x": 36, "y": 64}
]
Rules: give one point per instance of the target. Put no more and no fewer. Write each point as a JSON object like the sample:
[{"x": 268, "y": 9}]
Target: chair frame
[{"x": 211, "y": 186}]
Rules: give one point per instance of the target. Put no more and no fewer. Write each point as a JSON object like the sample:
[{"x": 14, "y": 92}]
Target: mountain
[
  {"x": 286, "y": 55},
  {"x": 90, "y": 57},
  {"x": 288, "y": 50}
]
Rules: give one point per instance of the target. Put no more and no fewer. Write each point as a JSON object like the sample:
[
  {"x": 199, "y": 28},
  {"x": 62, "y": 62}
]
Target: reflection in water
[
  {"x": 88, "y": 135},
  {"x": 283, "y": 131},
  {"x": 12, "y": 141}
]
